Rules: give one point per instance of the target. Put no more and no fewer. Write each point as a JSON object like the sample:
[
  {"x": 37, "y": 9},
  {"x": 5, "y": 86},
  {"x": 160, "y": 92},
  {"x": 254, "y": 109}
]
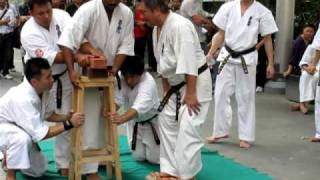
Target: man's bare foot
[
  {"x": 312, "y": 139},
  {"x": 295, "y": 107},
  {"x": 93, "y": 176},
  {"x": 303, "y": 109},
  {"x": 160, "y": 176},
  {"x": 212, "y": 139},
  {"x": 244, "y": 144},
  {"x": 64, "y": 171}
]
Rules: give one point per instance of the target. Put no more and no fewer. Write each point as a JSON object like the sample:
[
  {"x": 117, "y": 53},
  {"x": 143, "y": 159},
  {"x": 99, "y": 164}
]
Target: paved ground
[{"x": 278, "y": 151}]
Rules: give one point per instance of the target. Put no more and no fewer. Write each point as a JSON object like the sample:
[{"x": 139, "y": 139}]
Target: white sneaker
[
  {"x": 259, "y": 89},
  {"x": 8, "y": 76}
]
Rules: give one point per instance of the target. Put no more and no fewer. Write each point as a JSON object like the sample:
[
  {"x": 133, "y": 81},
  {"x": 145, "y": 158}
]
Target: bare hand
[
  {"x": 77, "y": 119},
  {"x": 74, "y": 78},
  {"x": 258, "y": 46},
  {"x": 310, "y": 69},
  {"x": 198, "y": 20},
  {"x": 116, "y": 118},
  {"x": 112, "y": 72},
  {"x": 192, "y": 103},
  {"x": 270, "y": 71},
  {"x": 83, "y": 59},
  {"x": 99, "y": 54}
]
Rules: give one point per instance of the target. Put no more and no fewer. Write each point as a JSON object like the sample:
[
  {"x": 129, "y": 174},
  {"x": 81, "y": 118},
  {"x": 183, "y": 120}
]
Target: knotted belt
[
  {"x": 56, "y": 77},
  {"x": 236, "y": 54},
  {"x": 176, "y": 90},
  {"x": 135, "y": 132},
  {"x": 117, "y": 77}
]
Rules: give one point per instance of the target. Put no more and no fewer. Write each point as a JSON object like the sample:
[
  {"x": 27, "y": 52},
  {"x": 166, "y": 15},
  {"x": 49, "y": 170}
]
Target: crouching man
[{"x": 21, "y": 121}]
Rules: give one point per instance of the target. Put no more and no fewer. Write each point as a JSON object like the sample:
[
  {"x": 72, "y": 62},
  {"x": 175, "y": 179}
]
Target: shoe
[
  {"x": 259, "y": 89},
  {"x": 8, "y": 77}
]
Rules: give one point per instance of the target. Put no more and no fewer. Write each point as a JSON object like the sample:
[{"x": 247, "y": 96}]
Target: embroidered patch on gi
[
  {"x": 58, "y": 30},
  {"x": 39, "y": 53},
  {"x": 119, "y": 26}
]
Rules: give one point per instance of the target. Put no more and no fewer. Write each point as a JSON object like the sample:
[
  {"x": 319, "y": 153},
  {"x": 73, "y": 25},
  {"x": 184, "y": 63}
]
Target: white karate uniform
[
  {"x": 21, "y": 126},
  {"x": 143, "y": 98},
  {"x": 241, "y": 33},
  {"x": 190, "y": 8},
  {"x": 91, "y": 22},
  {"x": 307, "y": 82},
  {"x": 39, "y": 42},
  {"x": 178, "y": 53},
  {"x": 316, "y": 45}
]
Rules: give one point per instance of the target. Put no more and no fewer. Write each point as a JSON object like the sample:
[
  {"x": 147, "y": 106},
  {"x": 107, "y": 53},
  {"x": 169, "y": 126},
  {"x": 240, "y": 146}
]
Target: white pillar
[{"x": 285, "y": 22}]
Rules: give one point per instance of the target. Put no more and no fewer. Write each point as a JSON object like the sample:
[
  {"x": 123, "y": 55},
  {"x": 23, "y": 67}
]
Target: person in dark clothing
[
  {"x": 73, "y": 7},
  {"x": 140, "y": 31},
  {"x": 24, "y": 16},
  {"x": 298, "y": 48},
  {"x": 261, "y": 76},
  {"x": 151, "y": 59},
  {"x": 143, "y": 38}
]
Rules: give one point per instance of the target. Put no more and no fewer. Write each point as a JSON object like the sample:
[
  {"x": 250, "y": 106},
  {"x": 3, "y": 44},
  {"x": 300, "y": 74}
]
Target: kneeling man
[
  {"x": 21, "y": 121},
  {"x": 140, "y": 101}
]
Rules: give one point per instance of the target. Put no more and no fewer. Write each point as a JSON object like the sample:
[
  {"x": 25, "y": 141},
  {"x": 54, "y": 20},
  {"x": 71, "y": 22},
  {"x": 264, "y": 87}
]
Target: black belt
[
  {"x": 236, "y": 54},
  {"x": 56, "y": 77},
  {"x": 117, "y": 77},
  {"x": 319, "y": 78},
  {"x": 176, "y": 89},
  {"x": 135, "y": 132}
]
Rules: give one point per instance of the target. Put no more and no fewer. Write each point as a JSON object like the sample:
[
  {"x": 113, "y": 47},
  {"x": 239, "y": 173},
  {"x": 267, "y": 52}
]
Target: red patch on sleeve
[{"x": 39, "y": 53}]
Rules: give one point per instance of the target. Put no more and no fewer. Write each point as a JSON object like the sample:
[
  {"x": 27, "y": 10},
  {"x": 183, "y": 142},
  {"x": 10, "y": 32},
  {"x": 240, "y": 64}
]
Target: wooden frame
[{"x": 108, "y": 154}]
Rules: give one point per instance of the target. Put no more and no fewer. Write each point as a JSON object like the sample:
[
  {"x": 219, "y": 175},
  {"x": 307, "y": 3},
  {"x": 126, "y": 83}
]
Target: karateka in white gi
[
  {"x": 39, "y": 37},
  {"x": 139, "y": 102},
  {"x": 186, "y": 83},
  {"x": 193, "y": 10},
  {"x": 312, "y": 68},
  {"x": 239, "y": 24},
  {"x": 108, "y": 26},
  {"x": 307, "y": 82},
  {"x": 22, "y": 126}
]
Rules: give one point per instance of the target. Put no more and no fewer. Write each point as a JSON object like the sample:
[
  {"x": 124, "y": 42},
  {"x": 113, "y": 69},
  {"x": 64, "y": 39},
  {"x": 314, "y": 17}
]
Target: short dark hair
[
  {"x": 31, "y": 3},
  {"x": 133, "y": 65},
  {"x": 308, "y": 26},
  {"x": 153, "y": 4},
  {"x": 34, "y": 66}
]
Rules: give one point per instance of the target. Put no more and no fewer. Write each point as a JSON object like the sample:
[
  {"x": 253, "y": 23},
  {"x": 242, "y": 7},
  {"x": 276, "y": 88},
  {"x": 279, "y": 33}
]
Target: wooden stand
[{"x": 107, "y": 154}]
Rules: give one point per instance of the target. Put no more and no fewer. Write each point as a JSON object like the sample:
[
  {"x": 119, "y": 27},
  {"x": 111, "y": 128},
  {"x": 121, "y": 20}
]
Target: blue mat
[{"x": 215, "y": 166}]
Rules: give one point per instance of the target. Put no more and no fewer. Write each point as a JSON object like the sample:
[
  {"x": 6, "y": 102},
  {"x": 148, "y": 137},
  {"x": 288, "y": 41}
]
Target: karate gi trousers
[{"x": 233, "y": 80}]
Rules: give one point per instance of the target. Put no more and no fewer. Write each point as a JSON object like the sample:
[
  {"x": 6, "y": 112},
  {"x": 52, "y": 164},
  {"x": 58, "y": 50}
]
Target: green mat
[{"x": 215, "y": 166}]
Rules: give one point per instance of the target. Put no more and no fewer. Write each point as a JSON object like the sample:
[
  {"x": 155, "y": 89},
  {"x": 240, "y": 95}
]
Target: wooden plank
[{"x": 96, "y": 159}]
